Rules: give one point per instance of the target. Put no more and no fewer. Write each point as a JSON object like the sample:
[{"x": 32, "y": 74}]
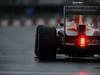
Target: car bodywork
[{"x": 81, "y": 26}]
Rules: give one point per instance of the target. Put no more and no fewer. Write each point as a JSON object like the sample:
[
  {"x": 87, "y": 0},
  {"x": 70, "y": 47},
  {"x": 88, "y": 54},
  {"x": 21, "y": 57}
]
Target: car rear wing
[
  {"x": 82, "y": 2},
  {"x": 82, "y": 7}
]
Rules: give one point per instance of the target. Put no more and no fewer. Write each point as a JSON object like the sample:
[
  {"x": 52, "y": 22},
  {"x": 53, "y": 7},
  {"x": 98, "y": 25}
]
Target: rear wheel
[{"x": 45, "y": 45}]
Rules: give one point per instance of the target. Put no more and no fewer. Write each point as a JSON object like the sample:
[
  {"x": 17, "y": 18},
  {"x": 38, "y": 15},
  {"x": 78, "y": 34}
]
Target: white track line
[{"x": 46, "y": 73}]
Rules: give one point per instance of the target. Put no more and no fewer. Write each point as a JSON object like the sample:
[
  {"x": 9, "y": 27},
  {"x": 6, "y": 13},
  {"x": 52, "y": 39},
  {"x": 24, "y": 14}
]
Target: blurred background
[{"x": 32, "y": 12}]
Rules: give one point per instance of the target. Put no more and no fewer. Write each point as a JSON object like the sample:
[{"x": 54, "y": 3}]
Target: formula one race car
[{"x": 78, "y": 36}]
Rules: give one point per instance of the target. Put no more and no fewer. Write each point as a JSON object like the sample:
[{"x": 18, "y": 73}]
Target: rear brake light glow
[{"x": 82, "y": 41}]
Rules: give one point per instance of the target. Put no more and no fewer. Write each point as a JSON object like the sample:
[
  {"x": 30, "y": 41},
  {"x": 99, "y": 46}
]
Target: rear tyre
[{"x": 45, "y": 45}]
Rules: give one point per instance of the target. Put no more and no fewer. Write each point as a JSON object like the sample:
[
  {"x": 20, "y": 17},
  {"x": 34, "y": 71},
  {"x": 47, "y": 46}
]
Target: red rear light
[{"x": 82, "y": 41}]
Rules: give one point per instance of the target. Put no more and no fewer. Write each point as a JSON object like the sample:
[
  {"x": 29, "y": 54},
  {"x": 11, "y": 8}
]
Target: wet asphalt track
[{"x": 17, "y": 57}]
